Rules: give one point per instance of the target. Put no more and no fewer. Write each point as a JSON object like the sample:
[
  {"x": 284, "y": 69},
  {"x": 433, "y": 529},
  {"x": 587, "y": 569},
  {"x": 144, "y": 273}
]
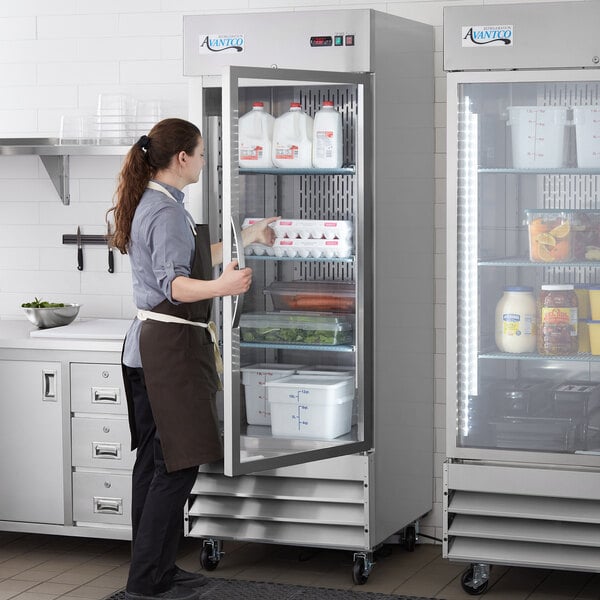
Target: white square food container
[
  {"x": 254, "y": 378},
  {"x": 317, "y": 407}
]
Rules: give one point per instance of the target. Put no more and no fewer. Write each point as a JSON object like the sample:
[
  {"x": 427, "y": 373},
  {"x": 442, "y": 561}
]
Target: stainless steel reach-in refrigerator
[
  {"x": 328, "y": 380},
  {"x": 522, "y": 477}
]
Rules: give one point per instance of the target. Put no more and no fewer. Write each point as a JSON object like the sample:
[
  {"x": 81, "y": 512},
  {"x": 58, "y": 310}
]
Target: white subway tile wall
[{"x": 55, "y": 58}]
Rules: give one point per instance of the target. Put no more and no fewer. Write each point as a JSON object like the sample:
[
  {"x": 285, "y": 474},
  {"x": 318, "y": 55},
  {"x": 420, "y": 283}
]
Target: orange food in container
[{"x": 549, "y": 235}]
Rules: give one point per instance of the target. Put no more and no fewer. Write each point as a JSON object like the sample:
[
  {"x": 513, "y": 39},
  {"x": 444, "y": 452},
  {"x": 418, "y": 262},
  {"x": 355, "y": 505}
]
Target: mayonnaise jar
[{"x": 516, "y": 320}]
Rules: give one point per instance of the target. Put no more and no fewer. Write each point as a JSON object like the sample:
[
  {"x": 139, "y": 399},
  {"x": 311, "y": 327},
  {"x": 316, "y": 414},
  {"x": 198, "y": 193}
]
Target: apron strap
[
  {"x": 144, "y": 315},
  {"x": 153, "y": 185}
]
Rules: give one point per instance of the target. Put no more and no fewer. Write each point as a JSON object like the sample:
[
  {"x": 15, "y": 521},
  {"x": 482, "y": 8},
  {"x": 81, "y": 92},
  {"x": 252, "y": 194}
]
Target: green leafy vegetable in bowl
[{"x": 37, "y": 303}]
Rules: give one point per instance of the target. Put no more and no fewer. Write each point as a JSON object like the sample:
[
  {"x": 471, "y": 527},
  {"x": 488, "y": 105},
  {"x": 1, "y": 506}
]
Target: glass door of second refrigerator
[
  {"x": 297, "y": 378},
  {"x": 527, "y": 252}
]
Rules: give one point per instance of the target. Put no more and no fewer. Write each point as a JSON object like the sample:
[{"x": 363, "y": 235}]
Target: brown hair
[{"x": 148, "y": 155}]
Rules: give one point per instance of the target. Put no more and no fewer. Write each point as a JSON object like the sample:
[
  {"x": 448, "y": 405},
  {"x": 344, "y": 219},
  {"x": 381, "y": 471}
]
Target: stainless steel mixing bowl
[{"x": 52, "y": 317}]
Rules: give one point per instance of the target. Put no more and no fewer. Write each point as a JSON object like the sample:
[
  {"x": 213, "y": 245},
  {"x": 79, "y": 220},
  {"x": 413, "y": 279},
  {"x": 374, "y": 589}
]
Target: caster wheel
[
  {"x": 466, "y": 581},
  {"x": 358, "y": 572},
  {"x": 208, "y": 562},
  {"x": 410, "y": 538}
]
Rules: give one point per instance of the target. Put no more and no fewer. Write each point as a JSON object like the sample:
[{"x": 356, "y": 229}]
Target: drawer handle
[
  {"x": 102, "y": 395},
  {"x": 104, "y": 450},
  {"x": 49, "y": 385},
  {"x": 110, "y": 506}
]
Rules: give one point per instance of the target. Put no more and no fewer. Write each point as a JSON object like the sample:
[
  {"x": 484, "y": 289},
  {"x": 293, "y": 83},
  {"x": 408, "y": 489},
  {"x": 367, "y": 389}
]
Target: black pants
[{"x": 157, "y": 502}]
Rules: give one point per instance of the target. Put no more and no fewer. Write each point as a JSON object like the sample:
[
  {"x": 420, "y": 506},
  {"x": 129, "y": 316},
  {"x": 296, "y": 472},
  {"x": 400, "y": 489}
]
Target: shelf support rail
[{"x": 58, "y": 170}]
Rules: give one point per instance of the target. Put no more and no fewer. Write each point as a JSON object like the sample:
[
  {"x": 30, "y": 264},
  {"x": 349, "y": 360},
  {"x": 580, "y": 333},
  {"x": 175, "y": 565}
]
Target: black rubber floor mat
[{"x": 236, "y": 589}]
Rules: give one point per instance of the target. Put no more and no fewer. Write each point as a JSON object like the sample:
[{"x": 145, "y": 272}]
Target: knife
[
  {"x": 111, "y": 258},
  {"x": 79, "y": 250}
]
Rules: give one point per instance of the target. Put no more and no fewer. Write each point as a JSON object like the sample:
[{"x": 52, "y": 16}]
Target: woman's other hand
[{"x": 260, "y": 232}]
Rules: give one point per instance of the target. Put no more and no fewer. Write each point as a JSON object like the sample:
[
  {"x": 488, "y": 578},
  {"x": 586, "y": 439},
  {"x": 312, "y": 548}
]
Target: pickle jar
[{"x": 557, "y": 320}]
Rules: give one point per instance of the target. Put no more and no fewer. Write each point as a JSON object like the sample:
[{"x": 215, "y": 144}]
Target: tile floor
[{"x": 41, "y": 567}]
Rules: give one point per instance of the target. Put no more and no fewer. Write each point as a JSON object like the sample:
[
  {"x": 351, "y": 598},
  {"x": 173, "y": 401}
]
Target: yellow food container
[
  {"x": 594, "y": 331},
  {"x": 583, "y": 336},
  {"x": 583, "y": 301},
  {"x": 594, "y": 294}
]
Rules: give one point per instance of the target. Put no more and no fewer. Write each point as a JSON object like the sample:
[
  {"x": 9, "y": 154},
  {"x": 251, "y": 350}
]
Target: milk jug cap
[
  {"x": 258, "y": 104},
  {"x": 518, "y": 288},
  {"x": 327, "y": 103},
  {"x": 295, "y": 105}
]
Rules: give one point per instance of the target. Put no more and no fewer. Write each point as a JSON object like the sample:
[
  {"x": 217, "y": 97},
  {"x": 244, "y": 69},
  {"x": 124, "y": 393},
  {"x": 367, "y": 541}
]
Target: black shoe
[
  {"x": 176, "y": 592},
  {"x": 189, "y": 579}
]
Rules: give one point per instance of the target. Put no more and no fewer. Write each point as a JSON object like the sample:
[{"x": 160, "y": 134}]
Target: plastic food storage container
[
  {"x": 254, "y": 378},
  {"x": 320, "y": 296},
  {"x": 297, "y": 328},
  {"x": 549, "y": 235},
  {"x": 318, "y": 407}
]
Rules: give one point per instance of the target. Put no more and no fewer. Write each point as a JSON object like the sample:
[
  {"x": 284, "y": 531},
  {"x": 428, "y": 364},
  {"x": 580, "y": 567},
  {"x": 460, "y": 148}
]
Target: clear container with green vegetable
[{"x": 297, "y": 328}]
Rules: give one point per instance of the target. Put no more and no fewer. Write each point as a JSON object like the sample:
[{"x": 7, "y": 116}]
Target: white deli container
[
  {"x": 316, "y": 407},
  {"x": 254, "y": 378}
]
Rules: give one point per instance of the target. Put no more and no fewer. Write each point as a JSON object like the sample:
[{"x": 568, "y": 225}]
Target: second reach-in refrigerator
[
  {"x": 327, "y": 407},
  {"x": 522, "y": 477}
]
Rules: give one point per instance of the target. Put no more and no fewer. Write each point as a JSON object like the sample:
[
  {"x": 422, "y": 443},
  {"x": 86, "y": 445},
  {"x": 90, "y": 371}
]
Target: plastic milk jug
[
  {"x": 327, "y": 138},
  {"x": 255, "y": 135},
  {"x": 292, "y": 139}
]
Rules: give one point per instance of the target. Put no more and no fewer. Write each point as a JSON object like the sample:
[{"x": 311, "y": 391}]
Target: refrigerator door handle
[{"x": 238, "y": 252}]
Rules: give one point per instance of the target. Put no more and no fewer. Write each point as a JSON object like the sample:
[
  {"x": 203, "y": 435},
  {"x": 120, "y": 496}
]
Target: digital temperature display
[{"x": 321, "y": 40}]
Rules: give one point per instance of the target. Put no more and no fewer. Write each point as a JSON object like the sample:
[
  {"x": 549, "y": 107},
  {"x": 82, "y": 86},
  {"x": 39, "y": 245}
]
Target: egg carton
[
  {"x": 311, "y": 248},
  {"x": 308, "y": 228}
]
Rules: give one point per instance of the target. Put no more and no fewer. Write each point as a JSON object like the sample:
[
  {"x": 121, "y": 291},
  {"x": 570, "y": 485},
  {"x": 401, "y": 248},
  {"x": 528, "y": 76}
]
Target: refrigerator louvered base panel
[
  {"x": 324, "y": 506},
  {"x": 318, "y": 535},
  {"x": 526, "y": 517},
  {"x": 526, "y": 554}
]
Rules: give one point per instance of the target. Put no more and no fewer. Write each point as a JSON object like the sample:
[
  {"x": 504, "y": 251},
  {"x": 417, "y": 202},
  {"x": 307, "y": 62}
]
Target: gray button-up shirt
[{"x": 161, "y": 248}]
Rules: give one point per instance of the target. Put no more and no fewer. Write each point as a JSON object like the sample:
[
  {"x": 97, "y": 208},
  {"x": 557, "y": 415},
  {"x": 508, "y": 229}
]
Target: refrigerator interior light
[{"x": 467, "y": 256}]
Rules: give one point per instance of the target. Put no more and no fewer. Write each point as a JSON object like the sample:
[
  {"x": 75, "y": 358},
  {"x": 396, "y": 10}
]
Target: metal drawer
[
  {"x": 97, "y": 388},
  {"x": 101, "y": 442},
  {"x": 102, "y": 498}
]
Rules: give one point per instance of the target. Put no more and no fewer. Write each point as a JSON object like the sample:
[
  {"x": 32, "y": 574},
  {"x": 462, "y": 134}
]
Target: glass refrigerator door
[
  {"x": 294, "y": 363},
  {"x": 527, "y": 250}
]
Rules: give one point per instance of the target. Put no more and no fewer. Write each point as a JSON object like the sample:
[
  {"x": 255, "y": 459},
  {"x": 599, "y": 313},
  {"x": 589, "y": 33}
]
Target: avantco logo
[
  {"x": 221, "y": 42},
  {"x": 484, "y": 35}
]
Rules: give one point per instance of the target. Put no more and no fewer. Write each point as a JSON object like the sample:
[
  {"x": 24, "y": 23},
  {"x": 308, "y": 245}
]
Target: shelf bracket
[{"x": 58, "y": 170}]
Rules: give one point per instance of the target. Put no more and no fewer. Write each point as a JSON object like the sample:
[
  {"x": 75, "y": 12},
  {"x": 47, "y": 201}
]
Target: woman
[{"x": 169, "y": 351}]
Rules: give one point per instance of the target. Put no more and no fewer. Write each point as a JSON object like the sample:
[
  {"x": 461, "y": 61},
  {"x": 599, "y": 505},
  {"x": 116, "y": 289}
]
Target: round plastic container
[
  {"x": 255, "y": 135},
  {"x": 516, "y": 320},
  {"x": 538, "y": 136},
  {"x": 292, "y": 139},
  {"x": 587, "y": 136},
  {"x": 327, "y": 149}
]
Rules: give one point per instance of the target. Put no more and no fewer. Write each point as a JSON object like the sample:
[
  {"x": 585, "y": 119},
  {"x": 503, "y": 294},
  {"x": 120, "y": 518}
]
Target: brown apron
[{"x": 180, "y": 374}]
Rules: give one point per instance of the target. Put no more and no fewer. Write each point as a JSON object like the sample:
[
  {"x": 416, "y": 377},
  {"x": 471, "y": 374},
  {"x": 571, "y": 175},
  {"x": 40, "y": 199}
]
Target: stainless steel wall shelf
[{"x": 55, "y": 156}]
